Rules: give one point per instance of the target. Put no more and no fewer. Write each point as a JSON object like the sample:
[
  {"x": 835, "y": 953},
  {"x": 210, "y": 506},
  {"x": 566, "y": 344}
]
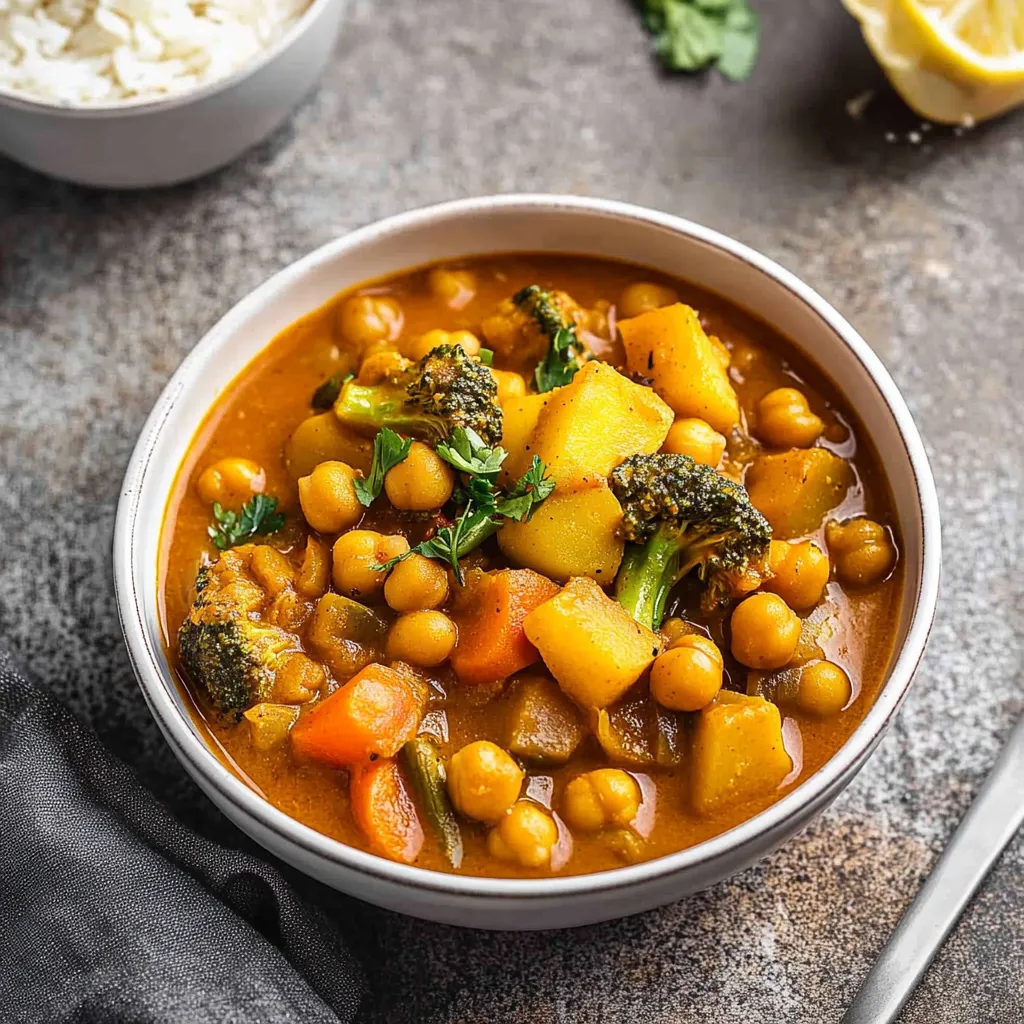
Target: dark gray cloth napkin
[{"x": 111, "y": 911}]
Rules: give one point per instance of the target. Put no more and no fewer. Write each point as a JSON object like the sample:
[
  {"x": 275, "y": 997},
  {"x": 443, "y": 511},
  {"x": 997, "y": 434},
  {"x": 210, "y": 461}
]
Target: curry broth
[{"x": 259, "y": 410}]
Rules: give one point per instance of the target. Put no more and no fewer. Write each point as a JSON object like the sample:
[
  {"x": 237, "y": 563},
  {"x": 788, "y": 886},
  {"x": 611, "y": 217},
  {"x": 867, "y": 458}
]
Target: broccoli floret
[
  {"x": 565, "y": 353},
  {"x": 444, "y": 390},
  {"x": 679, "y": 516},
  {"x": 231, "y": 657}
]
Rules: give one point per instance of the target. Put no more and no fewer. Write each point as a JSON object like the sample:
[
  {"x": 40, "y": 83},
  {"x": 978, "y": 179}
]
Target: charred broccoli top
[
  {"x": 678, "y": 516},
  {"x": 444, "y": 390},
  {"x": 230, "y": 657}
]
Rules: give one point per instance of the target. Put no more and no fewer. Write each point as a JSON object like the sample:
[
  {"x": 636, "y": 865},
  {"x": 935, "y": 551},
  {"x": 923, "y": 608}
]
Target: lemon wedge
[{"x": 953, "y": 61}]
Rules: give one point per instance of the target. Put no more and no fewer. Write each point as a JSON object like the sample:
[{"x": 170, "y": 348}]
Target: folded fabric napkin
[{"x": 111, "y": 911}]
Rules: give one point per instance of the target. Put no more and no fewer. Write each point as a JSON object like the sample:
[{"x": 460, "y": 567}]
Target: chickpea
[
  {"x": 423, "y": 638},
  {"x": 415, "y": 584},
  {"x": 380, "y": 365},
  {"x": 824, "y": 689},
  {"x": 510, "y": 385},
  {"x": 483, "y": 781},
  {"x": 367, "y": 319},
  {"x": 688, "y": 676},
  {"x": 455, "y": 288},
  {"x": 644, "y": 296},
  {"x": 354, "y": 555},
  {"x": 231, "y": 482},
  {"x": 417, "y": 348},
  {"x": 765, "y": 631},
  {"x": 697, "y": 439},
  {"x": 861, "y": 549},
  {"x": 328, "y": 497},
  {"x": 605, "y": 798},
  {"x": 801, "y": 572},
  {"x": 272, "y": 569},
  {"x": 526, "y": 835},
  {"x": 423, "y": 481},
  {"x": 674, "y": 628},
  {"x": 785, "y": 420}
]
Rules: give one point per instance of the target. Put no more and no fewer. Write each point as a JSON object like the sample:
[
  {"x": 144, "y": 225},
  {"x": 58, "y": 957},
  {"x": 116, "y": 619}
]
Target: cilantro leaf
[
  {"x": 257, "y": 518},
  {"x": 690, "y": 35},
  {"x": 468, "y": 453},
  {"x": 389, "y": 449},
  {"x": 533, "y": 487},
  {"x": 561, "y": 362},
  {"x": 739, "y": 43}
]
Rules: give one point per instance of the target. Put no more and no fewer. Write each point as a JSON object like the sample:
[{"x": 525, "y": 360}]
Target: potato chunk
[
  {"x": 795, "y": 490},
  {"x": 346, "y": 635},
  {"x": 593, "y": 423},
  {"x": 573, "y": 533},
  {"x": 544, "y": 726},
  {"x": 738, "y": 752},
  {"x": 592, "y": 646},
  {"x": 519, "y": 421},
  {"x": 669, "y": 346}
]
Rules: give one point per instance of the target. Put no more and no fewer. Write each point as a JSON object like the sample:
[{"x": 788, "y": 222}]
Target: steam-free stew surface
[{"x": 850, "y": 626}]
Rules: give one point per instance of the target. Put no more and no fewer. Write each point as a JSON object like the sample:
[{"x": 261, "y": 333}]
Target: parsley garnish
[
  {"x": 565, "y": 354},
  {"x": 388, "y": 451},
  {"x": 256, "y": 519},
  {"x": 486, "y": 507},
  {"x": 689, "y": 35}
]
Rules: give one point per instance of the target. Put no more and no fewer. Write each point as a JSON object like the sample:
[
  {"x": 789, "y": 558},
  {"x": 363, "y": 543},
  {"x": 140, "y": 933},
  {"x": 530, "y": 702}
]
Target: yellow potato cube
[
  {"x": 596, "y": 421},
  {"x": 795, "y": 490},
  {"x": 669, "y": 346},
  {"x": 592, "y": 646},
  {"x": 738, "y": 752},
  {"x": 519, "y": 421},
  {"x": 573, "y": 533}
]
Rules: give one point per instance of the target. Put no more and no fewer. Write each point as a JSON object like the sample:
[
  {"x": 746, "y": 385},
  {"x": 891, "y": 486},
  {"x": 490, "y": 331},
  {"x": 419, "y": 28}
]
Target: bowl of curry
[{"x": 527, "y": 561}]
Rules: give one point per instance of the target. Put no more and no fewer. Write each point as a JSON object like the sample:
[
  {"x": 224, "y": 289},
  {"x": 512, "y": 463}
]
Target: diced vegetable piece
[
  {"x": 345, "y": 634},
  {"x": 519, "y": 420},
  {"x": 323, "y": 439},
  {"x": 383, "y": 808},
  {"x": 492, "y": 644},
  {"x": 638, "y": 732},
  {"x": 795, "y": 490},
  {"x": 624, "y": 843},
  {"x": 669, "y": 346},
  {"x": 426, "y": 772},
  {"x": 593, "y": 647},
  {"x": 738, "y": 753},
  {"x": 372, "y": 715},
  {"x": 594, "y": 422},
  {"x": 544, "y": 725},
  {"x": 574, "y": 533},
  {"x": 269, "y": 724}
]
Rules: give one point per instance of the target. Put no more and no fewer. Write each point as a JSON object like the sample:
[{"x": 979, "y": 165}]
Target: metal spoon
[{"x": 990, "y": 822}]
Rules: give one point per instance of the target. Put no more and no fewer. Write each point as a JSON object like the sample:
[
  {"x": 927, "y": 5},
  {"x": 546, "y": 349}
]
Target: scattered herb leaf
[
  {"x": 533, "y": 487},
  {"x": 468, "y": 453},
  {"x": 487, "y": 356},
  {"x": 690, "y": 35},
  {"x": 257, "y": 518},
  {"x": 327, "y": 394},
  {"x": 389, "y": 449},
  {"x": 565, "y": 354}
]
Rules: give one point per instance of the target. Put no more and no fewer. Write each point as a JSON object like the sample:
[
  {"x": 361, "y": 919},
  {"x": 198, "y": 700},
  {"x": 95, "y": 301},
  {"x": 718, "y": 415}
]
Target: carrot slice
[
  {"x": 372, "y": 715},
  {"x": 383, "y": 808},
  {"x": 492, "y": 644}
]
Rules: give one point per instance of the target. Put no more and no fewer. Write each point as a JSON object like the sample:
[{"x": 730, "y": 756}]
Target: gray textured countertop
[{"x": 919, "y": 244}]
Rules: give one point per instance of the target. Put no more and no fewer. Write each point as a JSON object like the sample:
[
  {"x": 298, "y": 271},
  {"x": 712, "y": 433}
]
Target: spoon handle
[{"x": 989, "y": 824}]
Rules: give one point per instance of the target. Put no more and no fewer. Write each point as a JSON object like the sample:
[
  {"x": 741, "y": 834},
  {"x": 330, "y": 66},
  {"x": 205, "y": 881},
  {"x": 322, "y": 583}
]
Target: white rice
[{"x": 82, "y": 52}]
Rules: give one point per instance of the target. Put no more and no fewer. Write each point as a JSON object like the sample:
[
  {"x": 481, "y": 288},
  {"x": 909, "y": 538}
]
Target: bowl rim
[
  {"x": 140, "y": 105},
  {"x": 200, "y": 759}
]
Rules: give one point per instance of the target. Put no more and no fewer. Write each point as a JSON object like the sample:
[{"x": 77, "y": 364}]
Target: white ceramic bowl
[
  {"x": 521, "y": 223},
  {"x": 144, "y": 143}
]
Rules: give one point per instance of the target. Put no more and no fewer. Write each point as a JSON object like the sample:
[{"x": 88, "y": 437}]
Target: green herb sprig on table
[
  {"x": 389, "y": 449},
  {"x": 257, "y": 518},
  {"x": 485, "y": 507},
  {"x": 690, "y": 35}
]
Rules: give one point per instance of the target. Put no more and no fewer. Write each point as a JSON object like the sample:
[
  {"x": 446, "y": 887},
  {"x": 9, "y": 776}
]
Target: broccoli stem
[
  {"x": 373, "y": 406},
  {"x": 647, "y": 574}
]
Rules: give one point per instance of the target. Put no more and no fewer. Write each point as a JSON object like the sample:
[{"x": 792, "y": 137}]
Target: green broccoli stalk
[
  {"x": 444, "y": 390},
  {"x": 680, "y": 516}
]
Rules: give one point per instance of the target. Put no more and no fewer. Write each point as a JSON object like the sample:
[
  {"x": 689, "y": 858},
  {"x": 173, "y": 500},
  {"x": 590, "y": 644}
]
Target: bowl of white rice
[{"x": 139, "y": 93}]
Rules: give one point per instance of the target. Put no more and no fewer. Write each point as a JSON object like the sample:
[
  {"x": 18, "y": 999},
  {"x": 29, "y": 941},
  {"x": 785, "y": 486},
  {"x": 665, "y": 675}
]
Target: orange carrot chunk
[
  {"x": 372, "y": 715},
  {"x": 492, "y": 645},
  {"x": 383, "y": 808}
]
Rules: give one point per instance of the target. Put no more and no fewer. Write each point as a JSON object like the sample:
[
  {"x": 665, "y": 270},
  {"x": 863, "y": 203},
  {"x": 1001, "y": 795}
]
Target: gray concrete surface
[{"x": 102, "y": 295}]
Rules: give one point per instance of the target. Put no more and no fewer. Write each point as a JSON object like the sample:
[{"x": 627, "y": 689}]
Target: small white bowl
[
  {"x": 525, "y": 224},
  {"x": 144, "y": 143}
]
